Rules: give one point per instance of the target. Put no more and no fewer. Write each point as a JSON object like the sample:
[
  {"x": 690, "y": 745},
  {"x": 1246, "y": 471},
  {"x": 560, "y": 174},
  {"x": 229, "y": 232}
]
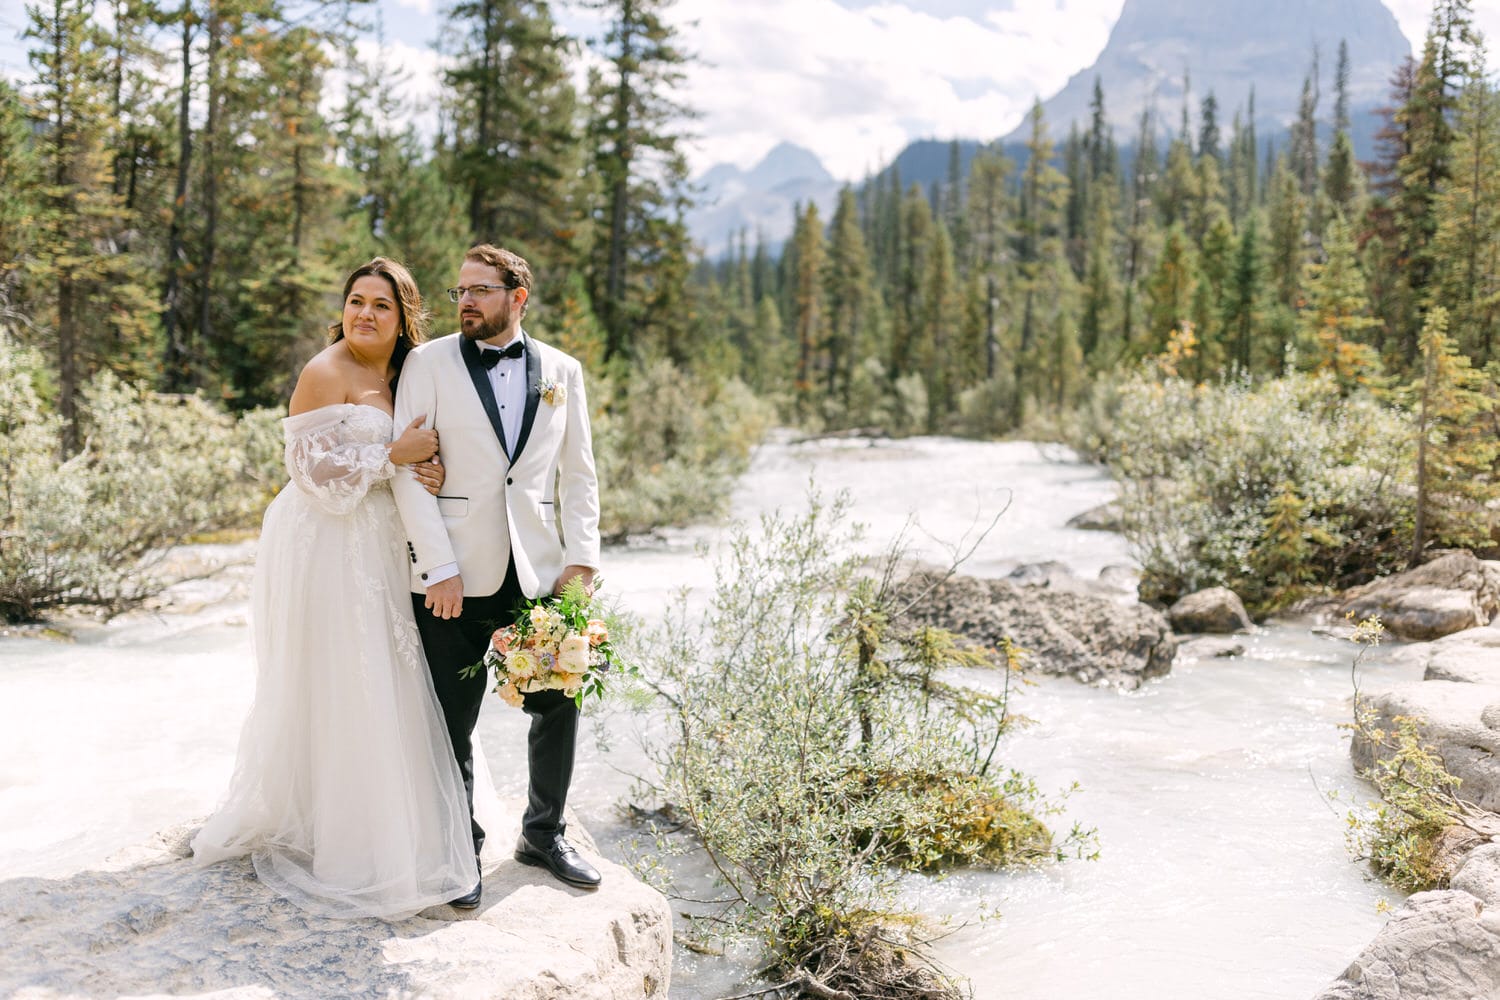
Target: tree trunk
[
  {"x": 210, "y": 177},
  {"x": 619, "y": 195},
  {"x": 175, "y": 356},
  {"x": 1419, "y": 529}
]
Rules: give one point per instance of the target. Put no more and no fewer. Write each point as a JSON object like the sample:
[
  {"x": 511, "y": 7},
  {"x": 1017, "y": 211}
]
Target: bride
[{"x": 345, "y": 793}]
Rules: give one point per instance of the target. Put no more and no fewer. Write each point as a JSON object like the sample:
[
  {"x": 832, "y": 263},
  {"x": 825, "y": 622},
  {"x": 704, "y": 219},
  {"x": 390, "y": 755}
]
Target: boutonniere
[{"x": 552, "y": 392}]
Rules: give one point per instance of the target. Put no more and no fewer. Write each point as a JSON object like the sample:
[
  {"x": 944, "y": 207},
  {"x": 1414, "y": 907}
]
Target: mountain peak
[
  {"x": 1225, "y": 48},
  {"x": 788, "y": 162}
]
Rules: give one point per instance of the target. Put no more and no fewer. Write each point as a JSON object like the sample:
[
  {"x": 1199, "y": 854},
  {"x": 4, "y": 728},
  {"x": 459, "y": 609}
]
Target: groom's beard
[{"x": 476, "y": 326}]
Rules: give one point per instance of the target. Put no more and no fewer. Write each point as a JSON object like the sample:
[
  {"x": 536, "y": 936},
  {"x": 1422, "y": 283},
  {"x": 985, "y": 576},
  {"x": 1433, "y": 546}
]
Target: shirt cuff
[{"x": 446, "y": 571}]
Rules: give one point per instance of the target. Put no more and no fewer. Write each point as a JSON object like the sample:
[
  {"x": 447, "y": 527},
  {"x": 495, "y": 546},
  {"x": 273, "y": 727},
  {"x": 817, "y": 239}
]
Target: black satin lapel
[
  {"x": 481, "y": 380},
  {"x": 533, "y": 396}
]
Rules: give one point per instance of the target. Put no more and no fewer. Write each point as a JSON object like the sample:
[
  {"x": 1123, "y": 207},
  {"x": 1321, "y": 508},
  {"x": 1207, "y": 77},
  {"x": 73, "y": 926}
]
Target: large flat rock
[
  {"x": 155, "y": 924},
  {"x": 1453, "y": 592},
  {"x": 1442, "y": 945},
  {"x": 1471, "y": 656}
]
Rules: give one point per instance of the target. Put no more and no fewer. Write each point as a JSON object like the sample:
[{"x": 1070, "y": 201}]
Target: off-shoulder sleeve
[{"x": 327, "y": 464}]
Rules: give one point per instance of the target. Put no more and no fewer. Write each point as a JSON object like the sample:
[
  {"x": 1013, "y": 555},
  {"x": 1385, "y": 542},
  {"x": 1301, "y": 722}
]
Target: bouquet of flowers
[{"x": 557, "y": 643}]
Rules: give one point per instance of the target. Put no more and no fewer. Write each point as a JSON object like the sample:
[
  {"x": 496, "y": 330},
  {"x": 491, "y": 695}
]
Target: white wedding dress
[{"x": 345, "y": 793}]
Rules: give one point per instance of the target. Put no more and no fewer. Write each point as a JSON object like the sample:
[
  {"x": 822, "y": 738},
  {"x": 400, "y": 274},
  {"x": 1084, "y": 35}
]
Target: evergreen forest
[{"x": 184, "y": 184}]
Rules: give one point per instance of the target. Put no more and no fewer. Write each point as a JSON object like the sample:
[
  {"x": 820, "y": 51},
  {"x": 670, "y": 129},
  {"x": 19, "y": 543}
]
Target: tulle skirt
[{"x": 345, "y": 792}]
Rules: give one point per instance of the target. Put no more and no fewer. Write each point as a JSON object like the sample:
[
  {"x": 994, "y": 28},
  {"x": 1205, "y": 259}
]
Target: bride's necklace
[{"x": 381, "y": 374}]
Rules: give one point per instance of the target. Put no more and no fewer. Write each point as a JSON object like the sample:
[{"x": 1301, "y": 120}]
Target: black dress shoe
[
  {"x": 561, "y": 860},
  {"x": 470, "y": 899}
]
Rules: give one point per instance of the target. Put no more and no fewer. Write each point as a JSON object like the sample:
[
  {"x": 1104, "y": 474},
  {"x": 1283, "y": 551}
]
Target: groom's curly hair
[
  {"x": 514, "y": 271},
  {"x": 412, "y": 318}
]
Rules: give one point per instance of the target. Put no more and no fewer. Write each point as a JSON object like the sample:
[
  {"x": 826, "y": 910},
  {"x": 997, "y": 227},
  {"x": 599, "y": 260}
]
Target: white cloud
[
  {"x": 420, "y": 6},
  {"x": 855, "y": 86}
]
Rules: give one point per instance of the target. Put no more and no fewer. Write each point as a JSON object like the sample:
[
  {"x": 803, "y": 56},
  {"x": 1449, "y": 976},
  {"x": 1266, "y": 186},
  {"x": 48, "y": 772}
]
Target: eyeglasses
[{"x": 478, "y": 291}]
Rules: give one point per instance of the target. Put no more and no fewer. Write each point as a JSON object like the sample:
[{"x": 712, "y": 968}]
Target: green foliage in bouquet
[{"x": 560, "y": 643}]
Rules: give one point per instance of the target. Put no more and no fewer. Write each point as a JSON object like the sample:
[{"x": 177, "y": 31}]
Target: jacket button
[
  {"x": 424, "y": 576},
  {"x": 509, "y": 481}
]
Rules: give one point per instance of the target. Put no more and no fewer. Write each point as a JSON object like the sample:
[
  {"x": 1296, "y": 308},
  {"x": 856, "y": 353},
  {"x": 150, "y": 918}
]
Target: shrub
[
  {"x": 816, "y": 753},
  {"x": 94, "y": 529},
  {"x": 669, "y": 445},
  {"x": 1399, "y": 835},
  {"x": 1260, "y": 487}
]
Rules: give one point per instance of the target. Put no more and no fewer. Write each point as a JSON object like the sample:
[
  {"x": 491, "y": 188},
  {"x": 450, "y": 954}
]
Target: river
[{"x": 1222, "y": 871}]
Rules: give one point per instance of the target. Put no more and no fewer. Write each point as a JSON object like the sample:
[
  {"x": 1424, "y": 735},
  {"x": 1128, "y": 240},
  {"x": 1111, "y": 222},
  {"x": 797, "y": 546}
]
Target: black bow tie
[{"x": 490, "y": 358}]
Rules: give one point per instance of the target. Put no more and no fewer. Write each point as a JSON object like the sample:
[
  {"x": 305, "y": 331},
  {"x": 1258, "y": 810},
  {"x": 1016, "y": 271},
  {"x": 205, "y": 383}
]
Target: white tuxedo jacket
[{"x": 539, "y": 506}]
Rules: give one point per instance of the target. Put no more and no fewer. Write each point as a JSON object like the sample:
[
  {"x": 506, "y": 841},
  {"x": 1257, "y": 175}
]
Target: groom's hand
[
  {"x": 446, "y": 599},
  {"x": 569, "y": 572}
]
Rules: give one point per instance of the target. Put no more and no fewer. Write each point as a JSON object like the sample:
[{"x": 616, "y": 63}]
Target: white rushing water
[{"x": 1222, "y": 873}]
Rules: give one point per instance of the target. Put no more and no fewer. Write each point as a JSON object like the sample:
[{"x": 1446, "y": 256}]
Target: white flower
[{"x": 573, "y": 654}]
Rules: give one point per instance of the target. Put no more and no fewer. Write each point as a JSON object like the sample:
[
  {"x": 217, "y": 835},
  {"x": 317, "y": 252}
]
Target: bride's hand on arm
[
  {"x": 430, "y": 474},
  {"x": 415, "y": 444}
]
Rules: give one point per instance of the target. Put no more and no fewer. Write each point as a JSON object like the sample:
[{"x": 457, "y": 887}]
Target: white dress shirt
[{"x": 508, "y": 380}]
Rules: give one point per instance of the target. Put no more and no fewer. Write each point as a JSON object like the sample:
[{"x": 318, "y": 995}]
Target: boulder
[
  {"x": 1480, "y": 875},
  {"x": 1105, "y": 517},
  {"x": 1091, "y": 637},
  {"x": 1209, "y": 647},
  {"x": 1451, "y": 719},
  {"x": 1216, "y": 610},
  {"x": 1453, "y": 592},
  {"x": 1042, "y": 574},
  {"x": 1442, "y": 945},
  {"x": 1471, "y": 656},
  {"x": 156, "y": 924}
]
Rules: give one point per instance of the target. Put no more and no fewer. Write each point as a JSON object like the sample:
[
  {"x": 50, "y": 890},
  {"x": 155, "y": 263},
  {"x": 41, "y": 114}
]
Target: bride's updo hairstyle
[{"x": 412, "y": 318}]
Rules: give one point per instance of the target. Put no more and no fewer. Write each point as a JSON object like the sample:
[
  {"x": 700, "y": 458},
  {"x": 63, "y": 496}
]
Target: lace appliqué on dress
[{"x": 335, "y": 454}]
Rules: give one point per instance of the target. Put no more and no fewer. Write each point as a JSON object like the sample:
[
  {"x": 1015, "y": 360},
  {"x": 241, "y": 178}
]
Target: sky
[{"x": 852, "y": 80}]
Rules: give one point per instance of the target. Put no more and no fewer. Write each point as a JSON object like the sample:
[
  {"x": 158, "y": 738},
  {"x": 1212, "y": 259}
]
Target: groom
[{"x": 518, "y": 518}]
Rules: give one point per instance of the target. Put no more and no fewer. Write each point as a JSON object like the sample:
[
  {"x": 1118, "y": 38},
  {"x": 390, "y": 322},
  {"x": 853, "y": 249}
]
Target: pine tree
[
  {"x": 1244, "y": 303},
  {"x": 1456, "y": 450},
  {"x": 810, "y": 306},
  {"x": 1337, "y": 312},
  {"x": 989, "y": 211},
  {"x": 513, "y": 142},
  {"x": 97, "y": 311},
  {"x": 853, "y": 311},
  {"x": 1288, "y": 211},
  {"x": 1302, "y": 157},
  {"x": 1466, "y": 244},
  {"x": 1208, "y": 128},
  {"x": 641, "y": 247},
  {"x": 1170, "y": 291},
  {"x": 938, "y": 333},
  {"x": 1045, "y": 280},
  {"x": 1142, "y": 186},
  {"x": 20, "y": 207}
]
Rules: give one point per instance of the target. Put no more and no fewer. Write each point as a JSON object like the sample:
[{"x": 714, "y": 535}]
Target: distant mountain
[
  {"x": 759, "y": 200},
  {"x": 1225, "y": 48},
  {"x": 926, "y": 160}
]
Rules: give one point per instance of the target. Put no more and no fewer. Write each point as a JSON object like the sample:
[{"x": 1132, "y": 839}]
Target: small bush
[
  {"x": 669, "y": 446},
  {"x": 816, "y": 754},
  {"x": 93, "y": 529},
  {"x": 1265, "y": 488},
  {"x": 1399, "y": 835}
]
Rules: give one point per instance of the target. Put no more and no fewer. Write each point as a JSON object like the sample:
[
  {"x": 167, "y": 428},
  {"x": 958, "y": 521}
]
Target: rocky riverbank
[
  {"x": 1443, "y": 944},
  {"x": 149, "y": 922},
  {"x": 1439, "y": 945}
]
